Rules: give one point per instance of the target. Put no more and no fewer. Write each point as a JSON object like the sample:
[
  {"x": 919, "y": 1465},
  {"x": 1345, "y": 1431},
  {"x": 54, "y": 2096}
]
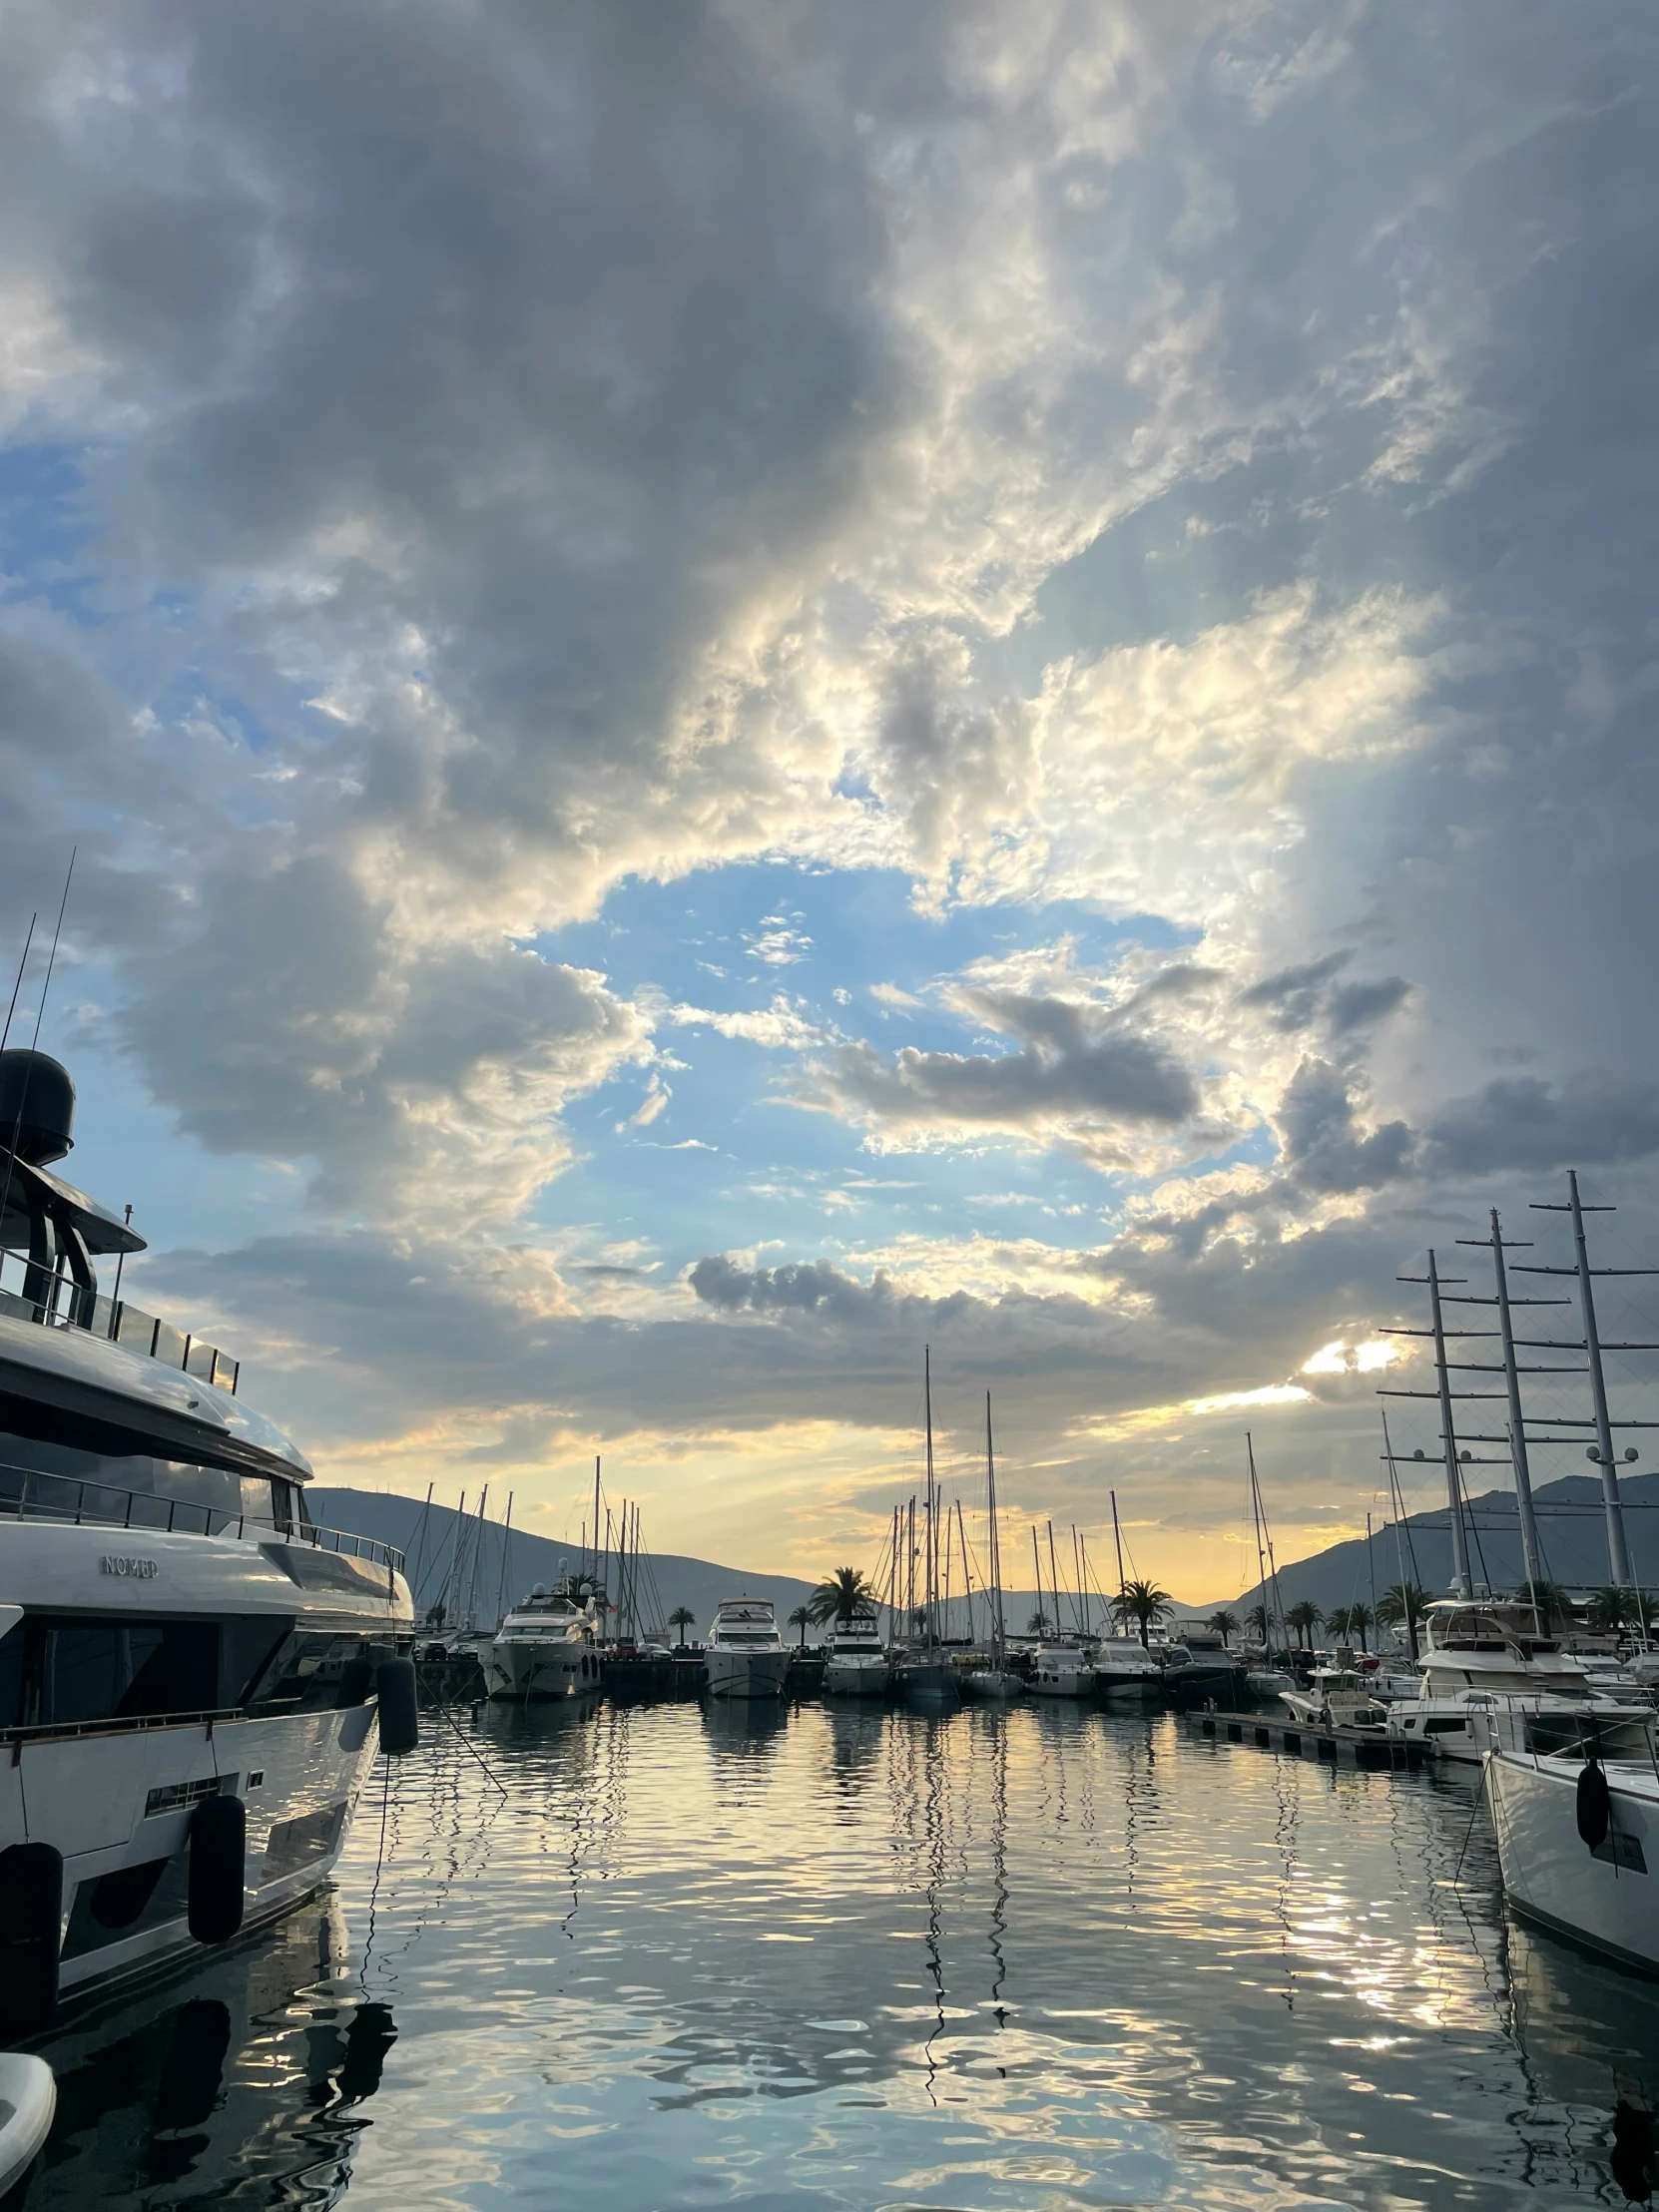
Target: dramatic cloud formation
[{"x": 641, "y": 617}]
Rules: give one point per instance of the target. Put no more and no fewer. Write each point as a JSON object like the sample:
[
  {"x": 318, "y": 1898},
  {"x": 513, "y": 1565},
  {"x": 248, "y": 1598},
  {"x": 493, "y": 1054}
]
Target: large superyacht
[{"x": 194, "y": 1677}]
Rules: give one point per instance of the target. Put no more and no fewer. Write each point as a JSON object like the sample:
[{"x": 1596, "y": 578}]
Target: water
[{"x": 1037, "y": 1959}]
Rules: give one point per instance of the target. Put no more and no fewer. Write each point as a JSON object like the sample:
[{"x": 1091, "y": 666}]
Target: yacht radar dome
[{"x": 37, "y": 1107}]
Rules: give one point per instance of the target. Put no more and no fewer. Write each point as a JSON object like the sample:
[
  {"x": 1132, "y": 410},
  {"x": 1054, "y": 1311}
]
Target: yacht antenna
[
  {"x": 1602, "y": 1454},
  {"x": 17, "y": 983},
  {"x": 39, "y": 1016}
]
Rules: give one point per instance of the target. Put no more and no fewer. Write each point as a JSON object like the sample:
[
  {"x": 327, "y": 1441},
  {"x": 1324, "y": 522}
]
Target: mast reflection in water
[{"x": 812, "y": 1957}]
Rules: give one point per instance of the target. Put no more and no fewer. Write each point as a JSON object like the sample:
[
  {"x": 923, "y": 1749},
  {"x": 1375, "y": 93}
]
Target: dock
[{"x": 1354, "y": 1747}]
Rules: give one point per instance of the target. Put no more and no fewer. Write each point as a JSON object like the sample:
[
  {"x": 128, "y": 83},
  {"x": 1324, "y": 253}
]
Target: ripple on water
[{"x": 877, "y": 1960}]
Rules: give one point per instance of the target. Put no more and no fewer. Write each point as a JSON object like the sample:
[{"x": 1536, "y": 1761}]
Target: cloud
[
  {"x": 1325, "y": 1147},
  {"x": 779, "y": 1025},
  {"x": 1596, "y": 1119},
  {"x": 1070, "y": 1078}
]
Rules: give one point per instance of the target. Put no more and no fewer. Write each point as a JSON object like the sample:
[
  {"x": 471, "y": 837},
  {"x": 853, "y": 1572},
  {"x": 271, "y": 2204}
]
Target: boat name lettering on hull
[{"x": 144, "y": 1569}]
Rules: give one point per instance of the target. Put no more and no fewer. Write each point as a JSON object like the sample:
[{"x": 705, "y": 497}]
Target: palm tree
[
  {"x": 1401, "y": 1605},
  {"x": 1359, "y": 1619},
  {"x": 1337, "y": 1622},
  {"x": 1224, "y": 1624},
  {"x": 1551, "y": 1601},
  {"x": 1141, "y": 1603},
  {"x": 682, "y": 1618},
  {"x": 840, "y": 1595},
  {"x": 802, "y": 1618},
  {"x": 1305, "y": 1619},
  {"x": 1037, "y": 1625},
  {"x": 1257, "y": 1620},
  {"x": 1611, "y": 1607}
]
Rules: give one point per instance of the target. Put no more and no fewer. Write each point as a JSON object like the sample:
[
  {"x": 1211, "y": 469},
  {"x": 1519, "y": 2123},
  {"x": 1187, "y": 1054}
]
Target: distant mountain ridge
[
  {"x": 1571, "y": 1530},
  {"x": 697, "y": 1585},
  {"x": 1572, "y": 1533}
]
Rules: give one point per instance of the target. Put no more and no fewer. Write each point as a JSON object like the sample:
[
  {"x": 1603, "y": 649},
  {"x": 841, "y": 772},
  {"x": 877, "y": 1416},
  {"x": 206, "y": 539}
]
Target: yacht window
[
  {"x": 73, "y": 1671},
  {"x": 134, "y": 1488},
  {"x": 305, "y": 1672}
]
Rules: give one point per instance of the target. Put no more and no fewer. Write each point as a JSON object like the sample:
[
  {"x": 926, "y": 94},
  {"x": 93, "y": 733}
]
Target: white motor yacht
[
  {"x": 543, "y": 1649},
  {"x": 1490, "y": 1683},
  {"x": 1578, "y": 1842},
  {"x": 1125, "y": 1672},
  {"x": 1061, "y": 1670},
  {"x": 1340, "y": 1697},
  {"x": 742, "y": 1651},
  {"x": 193, "y": 1677},
  {"x": 855, "y": 1662}
]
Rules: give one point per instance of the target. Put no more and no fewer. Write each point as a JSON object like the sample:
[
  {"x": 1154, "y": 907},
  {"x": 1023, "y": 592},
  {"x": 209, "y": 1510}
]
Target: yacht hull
[
  {"x": 119, "y": 1803},
  {"x": 856, "y": 1676},
  {"x": 931, "y": 1679},
  {"x": 739, "y": 1675},
  {"x": 993, "y": 1684},
  {"x": 1603, "y": 1898},
  {"x": 526, "y": 1672},
  {"x": 1128, "y": 1689}
]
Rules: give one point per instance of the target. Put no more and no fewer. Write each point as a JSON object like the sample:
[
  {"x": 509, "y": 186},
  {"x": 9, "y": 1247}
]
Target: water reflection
[
  {"x": 820, "y": 1957},
  {"x": 239, "y": 2081}
]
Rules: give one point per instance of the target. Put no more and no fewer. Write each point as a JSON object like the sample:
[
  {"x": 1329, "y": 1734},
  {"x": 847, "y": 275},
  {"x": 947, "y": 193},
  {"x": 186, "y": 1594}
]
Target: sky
[{"x": 745, "y": 689}]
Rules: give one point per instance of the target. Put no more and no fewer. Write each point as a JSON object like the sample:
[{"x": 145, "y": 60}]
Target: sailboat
[
  {"x": 998, "y": 1680},
  {"x": 922, "y": 1670}
]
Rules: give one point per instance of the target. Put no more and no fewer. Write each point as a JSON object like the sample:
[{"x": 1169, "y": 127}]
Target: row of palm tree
[{"x": 845, "y": 1592}]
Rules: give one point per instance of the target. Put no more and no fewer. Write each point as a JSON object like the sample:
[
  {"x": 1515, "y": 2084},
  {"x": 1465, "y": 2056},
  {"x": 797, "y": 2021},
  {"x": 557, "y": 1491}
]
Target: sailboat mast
[
  {"x": 1001, "y": 1628},
  {"x": 1037, "y": 1570},
  {"x": 1077, "y": 1571},
  {"x": 1261, "y": 1562},
  {"x": 968, "y": 1572},
  {"x": 929, "y": 1564},
  {"x": 501, "y": 1579},
  {"x": 1054, "y": 1582},
  {"x": 1117, "y": 1540},
  {"x": 595, "y": 1530}
]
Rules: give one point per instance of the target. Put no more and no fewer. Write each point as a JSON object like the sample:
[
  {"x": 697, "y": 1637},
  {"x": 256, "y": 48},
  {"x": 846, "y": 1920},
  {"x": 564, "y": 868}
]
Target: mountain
[
  {"x": 697, "y": 1583},
  {"x": 1571, "y": 1534}
]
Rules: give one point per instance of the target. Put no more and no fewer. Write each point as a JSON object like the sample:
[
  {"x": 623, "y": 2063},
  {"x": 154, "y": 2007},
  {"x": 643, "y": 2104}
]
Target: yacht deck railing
[
  {"x": 66, "y": 1305},
  {"x": 26, "y": 1493}
]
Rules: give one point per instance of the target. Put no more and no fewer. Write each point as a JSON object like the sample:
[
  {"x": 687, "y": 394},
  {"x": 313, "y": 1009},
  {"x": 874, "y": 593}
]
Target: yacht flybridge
[
  {"x": 193, "y": 1676},
  {"x": 1490, "y": 1682}
]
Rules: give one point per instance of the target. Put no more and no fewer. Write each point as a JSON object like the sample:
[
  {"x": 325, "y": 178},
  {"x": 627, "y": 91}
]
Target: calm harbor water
[{"x": 831, "y": 1957}]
